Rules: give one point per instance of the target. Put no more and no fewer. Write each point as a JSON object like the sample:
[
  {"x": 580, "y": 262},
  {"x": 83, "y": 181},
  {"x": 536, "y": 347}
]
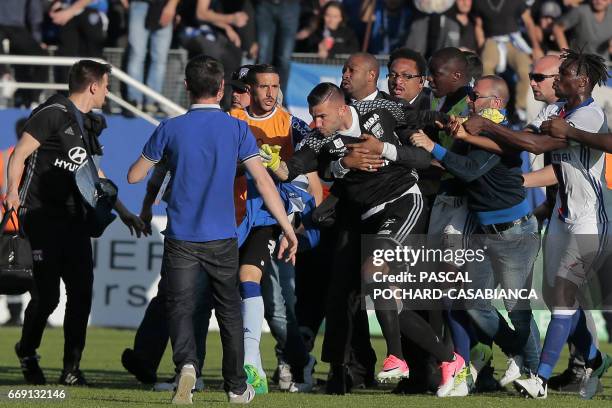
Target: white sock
[{"x": 252, "y": 316}]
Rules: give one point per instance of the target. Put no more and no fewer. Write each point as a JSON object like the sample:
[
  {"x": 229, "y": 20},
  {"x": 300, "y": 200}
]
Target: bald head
[
  {"x": 360, "y": 75},
  {"x": 542, "y": 78},
  {"x": 548, "y": 64},
  {"x": 497, "y": 86}
]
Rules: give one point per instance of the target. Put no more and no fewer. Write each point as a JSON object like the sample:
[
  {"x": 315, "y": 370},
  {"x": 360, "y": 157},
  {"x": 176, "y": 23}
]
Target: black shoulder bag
[
  {"x": 15, "y": 259},
  {"x": 99, "y": 195}
]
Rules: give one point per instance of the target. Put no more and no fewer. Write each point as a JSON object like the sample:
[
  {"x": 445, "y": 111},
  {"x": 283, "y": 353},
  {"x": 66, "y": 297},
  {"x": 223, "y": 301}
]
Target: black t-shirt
[
  {"x": 48, "y": 182},
  {"x": 499, "y": 17},
  {"x": 362, "y": 190}
]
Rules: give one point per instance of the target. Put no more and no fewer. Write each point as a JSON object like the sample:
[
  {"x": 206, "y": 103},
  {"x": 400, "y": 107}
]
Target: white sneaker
[
  {"x": 185, "y": 385},
  {"x": 285, "y": 378},
  {"x": 244, "y": 398},
  {"x": 461, "y": 388},
  {"x": 170, "y": 385},
  {"x": 454, "y": 374},
  {"x": 532, "y": 387},
  {"x": 513, "y": 372},
  {"x": 309, "y": 381}
]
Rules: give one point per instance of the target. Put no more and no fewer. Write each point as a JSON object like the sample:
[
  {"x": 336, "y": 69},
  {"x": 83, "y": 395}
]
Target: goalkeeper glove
[{"x": 270, "y": 156}]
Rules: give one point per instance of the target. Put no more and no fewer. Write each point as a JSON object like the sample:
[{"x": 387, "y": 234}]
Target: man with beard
[{"x": 367, "y": 204}]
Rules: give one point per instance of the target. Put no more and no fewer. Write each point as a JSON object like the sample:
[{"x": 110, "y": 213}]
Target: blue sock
[
  {"x": 253, "y": 317},
  {"x": 581, "y": 336},
  {"x": 557, "y": 334},
  {"x": 459, "y": 321}
]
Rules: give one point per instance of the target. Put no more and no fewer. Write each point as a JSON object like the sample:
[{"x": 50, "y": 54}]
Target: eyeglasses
[
  {"x": 474, "y": 96},
  {"x": 540, "y": 77},
  {"x": 406, "y": 77}
]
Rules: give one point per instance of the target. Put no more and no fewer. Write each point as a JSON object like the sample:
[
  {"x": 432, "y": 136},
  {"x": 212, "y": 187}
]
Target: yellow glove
[
  {"x": 270, "y": 156},
  {"x": 494, "y": 115}
]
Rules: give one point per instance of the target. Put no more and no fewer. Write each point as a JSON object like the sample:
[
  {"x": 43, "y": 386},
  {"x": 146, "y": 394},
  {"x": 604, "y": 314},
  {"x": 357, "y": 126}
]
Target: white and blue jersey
[{"x": 580, "y": 169}]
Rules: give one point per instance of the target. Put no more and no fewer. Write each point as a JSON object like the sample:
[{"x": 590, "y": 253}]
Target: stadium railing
[{"x": 117, "y": 75}]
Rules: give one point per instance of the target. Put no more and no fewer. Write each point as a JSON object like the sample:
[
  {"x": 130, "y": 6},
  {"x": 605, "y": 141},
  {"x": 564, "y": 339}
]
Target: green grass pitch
[{"x": 112, "y": 386}]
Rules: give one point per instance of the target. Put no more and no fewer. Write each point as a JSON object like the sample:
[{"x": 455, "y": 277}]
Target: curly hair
[{"x": 591, "y": 65}]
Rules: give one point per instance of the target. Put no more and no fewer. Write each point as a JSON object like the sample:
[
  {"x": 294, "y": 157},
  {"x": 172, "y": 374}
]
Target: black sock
[
  {"x": 389, "y": 323},
  {"x": 595, "y": 362}
]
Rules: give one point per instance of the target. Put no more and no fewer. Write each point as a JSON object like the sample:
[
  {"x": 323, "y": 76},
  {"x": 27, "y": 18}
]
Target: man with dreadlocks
[{"x": 576, "y": 241}]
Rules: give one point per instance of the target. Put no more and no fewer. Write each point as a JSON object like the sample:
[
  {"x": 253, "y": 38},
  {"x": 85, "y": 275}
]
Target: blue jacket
[{"x": 295, "y": 199}]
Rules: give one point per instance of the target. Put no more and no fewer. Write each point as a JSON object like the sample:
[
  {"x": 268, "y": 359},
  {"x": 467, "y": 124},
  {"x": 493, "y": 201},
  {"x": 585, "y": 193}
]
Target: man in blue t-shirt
[{"x": 202, "y": 149}]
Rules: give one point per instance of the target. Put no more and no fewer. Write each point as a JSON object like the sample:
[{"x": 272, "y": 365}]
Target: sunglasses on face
[
  {"x": 473, "y": 96},
  {"x": 540, "y": 77}
]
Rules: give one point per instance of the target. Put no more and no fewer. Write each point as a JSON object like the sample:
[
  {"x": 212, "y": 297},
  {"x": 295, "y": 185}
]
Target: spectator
[
  {"x": 206, "y": 30},
  {"x": 150, "y": 23},
  {"x": 277, "y": 23},
  {"x": 117, "y": 33},
  {"x": 550, "y": 11},
  {"x": 467, "y": 26},
  {"x": 592, "y": 28},
  {"x": 15, "y": 18},
  {"x": 498, "y": 33},
  {"x": 454, "y": 28},
  {"x": 333, "y": 35},
  {"x": 83, "y": 25},
  {"x": 310, "y": 16},
  {"x": 431, "y": 28},
  {"x": 391, "y": 25}
]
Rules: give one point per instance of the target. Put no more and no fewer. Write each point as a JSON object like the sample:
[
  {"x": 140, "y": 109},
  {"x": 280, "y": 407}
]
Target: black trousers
[
  {"x": 182, "y": 262},
  {"x": 347, "y": 333},
  {"x": 61, "y": 250},
  {"x": 153, "y": 332},
  {"x": 83, "y": 36},
  {"x": 21, "y": 42}
]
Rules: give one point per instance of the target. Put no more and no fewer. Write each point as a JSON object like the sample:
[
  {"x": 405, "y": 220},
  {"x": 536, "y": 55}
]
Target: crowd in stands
[{"x": 504, "y": 33}]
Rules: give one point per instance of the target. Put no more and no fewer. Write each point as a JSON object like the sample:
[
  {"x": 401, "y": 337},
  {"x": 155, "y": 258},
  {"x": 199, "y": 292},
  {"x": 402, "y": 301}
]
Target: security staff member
[{"x": 54, "y": 143}]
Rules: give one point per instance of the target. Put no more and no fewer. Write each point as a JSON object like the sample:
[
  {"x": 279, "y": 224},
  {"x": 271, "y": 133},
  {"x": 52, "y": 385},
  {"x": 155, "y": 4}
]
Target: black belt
[{"x": 503, "y": 226}]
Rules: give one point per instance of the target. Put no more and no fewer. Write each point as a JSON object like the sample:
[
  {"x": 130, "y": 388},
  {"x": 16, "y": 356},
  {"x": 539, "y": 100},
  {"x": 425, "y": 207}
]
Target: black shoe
[
  {"x": 13, "y": 322},
  {"x": 338, "y": 381},
  {"x": 30, "y": 368},
  {"x": 569, "y": 380},
  {"x": 412, "y": 385},
  {"x": 73, "y": 378},
  {"x": 363, "y": 381},
  {"x": 486, "y": 382},
  {"x": 137, "y": 368}
]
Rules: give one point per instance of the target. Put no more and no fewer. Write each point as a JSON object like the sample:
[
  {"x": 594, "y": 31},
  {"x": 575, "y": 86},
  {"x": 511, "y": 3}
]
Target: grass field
[{"x": 112, "y": 386}]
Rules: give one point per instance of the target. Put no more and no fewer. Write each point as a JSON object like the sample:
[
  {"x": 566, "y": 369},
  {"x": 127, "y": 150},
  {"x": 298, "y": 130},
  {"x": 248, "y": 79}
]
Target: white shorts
[
  {"x": 449, "y": 219},
  {"x": 574, "y": 251}
]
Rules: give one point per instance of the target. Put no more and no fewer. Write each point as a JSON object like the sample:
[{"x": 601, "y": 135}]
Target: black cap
[{"x": 238, "y": 77}]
